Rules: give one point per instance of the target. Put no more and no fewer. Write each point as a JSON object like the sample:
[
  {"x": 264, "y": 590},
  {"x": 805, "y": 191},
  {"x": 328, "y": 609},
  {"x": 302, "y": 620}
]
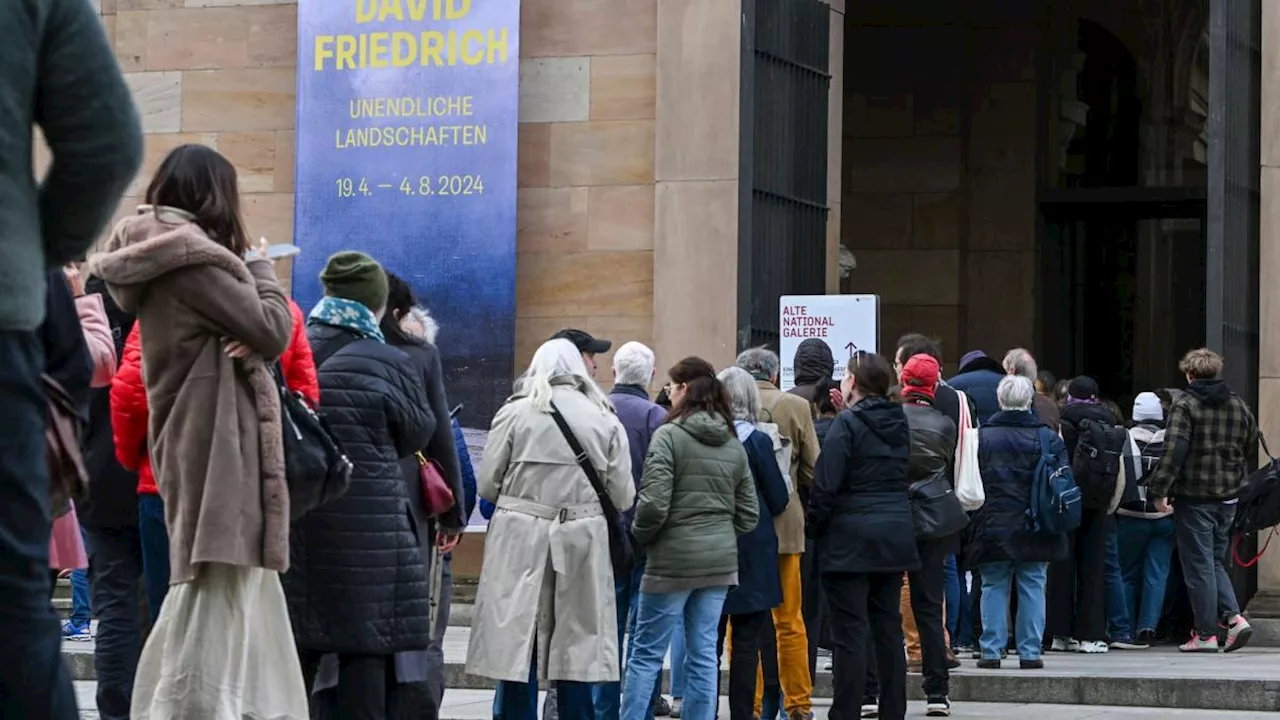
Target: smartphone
[{"x": 279, "y": 252}]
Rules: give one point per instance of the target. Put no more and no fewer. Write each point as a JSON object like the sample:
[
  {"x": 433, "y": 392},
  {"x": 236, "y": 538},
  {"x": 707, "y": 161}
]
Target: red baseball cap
[{"x": 920, "y": 376}]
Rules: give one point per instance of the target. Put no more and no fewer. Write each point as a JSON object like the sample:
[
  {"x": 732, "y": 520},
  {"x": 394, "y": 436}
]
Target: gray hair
[
  {"x": 633, "y": 365},
  {"x": 1015, "y": 392},
  {"x": 744, "y": 395},
  {"x": 1019, "y": 361},
  {"x": 761, "y": 363}
]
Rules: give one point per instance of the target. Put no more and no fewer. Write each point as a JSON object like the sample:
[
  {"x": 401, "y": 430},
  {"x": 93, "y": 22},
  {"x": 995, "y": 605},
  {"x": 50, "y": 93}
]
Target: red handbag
[{"x": 437, "y": 498}]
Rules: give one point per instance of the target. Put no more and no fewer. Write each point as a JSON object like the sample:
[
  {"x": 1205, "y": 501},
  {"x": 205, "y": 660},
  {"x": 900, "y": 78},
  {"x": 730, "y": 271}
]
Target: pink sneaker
[
  {"x": 1238, "y": 635},
  {"x": 1199, "y": 644}
]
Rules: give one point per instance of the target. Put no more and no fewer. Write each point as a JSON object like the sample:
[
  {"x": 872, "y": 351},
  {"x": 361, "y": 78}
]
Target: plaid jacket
[{"x": 1210, "y": 438}]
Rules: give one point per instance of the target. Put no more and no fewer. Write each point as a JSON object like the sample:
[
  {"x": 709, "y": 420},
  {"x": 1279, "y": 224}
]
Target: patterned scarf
[{"x": 347, "y": 314}]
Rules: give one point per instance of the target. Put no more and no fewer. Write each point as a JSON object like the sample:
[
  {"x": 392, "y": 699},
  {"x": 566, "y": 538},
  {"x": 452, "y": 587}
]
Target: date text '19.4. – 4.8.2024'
[{"x": 421, "y": 186}]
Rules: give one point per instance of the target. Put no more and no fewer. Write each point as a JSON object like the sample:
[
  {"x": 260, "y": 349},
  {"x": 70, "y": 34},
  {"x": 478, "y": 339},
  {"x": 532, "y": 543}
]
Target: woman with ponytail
[{"x": 696, "y": 498}]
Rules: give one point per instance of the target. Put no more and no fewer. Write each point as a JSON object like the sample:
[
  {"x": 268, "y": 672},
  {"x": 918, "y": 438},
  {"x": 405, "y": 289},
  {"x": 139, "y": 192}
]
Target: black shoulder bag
[
  {"x": 316, "y": 468},
  {"x": 621, "y": 544}
]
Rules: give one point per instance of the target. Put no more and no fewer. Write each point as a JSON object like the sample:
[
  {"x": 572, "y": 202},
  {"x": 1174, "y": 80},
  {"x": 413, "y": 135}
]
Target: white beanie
[{"x": 1147, "y": 407}]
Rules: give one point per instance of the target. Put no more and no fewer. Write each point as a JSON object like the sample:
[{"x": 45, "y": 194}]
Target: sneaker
[
  {"x": 977, "y": 654},
  {"x": 938, "y": 706},
  {"x": 963, "y": 649},
  {"x": 1092, "y": 647},
  {"x": 662, "y": 708},
  {"x": 829, "y": 665},
  {"x": 1061, "y": 644},
  {"x": 1238, "y": 635},
  {"x": 1147, "y": 637},
  {"x": 677, "y": 708},
  {"x": 1037, "y": 664},
  {"x": 1128, "y": 644},
  {"x": 870, "y": 710},
  {"x": 75, "y": 631},
  {"x": 989, "y": 664},
  {"x": 1199, "y": 644}
]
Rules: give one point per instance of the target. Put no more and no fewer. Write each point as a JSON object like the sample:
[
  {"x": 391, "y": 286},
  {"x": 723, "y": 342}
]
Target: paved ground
[{"x": 478, "y": 705}]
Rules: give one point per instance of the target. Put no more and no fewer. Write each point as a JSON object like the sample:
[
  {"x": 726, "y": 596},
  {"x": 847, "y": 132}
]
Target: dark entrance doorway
[
  {"x": 1122, "y": 282},
  {"x": 1123, "y": 285}
]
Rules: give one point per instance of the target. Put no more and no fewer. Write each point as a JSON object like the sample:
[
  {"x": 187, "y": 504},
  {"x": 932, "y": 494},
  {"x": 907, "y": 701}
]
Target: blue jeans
[
  {"x": 951, "y": 592},
  {"x": 155, "y": 550},
  {"x": 997, "y": 577},
  {"x": 1146, "y": 553},
  {"x": 1119, "y": 621},
  {"x": 655, "y": 624},
  {"x": 607, "y": 697},
  {"x": 519, "y": 701},
  {"x": 34, "y": 682},
  {"x": 679, "y": 670},
  {"x": 81, "y": 607}
]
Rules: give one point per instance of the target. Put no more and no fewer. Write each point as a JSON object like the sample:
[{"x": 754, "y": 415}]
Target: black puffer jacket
[
  {"x": 859, "y": 512},
  {"x": 357, "y": 581}
]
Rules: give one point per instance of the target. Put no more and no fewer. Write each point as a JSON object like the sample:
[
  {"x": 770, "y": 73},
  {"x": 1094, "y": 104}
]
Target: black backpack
[{"x": 1096, "y": 464}]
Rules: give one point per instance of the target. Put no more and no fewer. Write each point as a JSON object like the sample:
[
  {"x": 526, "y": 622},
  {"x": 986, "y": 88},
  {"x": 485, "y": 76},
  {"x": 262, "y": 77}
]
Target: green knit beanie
[{"x": 355, "y": 276}]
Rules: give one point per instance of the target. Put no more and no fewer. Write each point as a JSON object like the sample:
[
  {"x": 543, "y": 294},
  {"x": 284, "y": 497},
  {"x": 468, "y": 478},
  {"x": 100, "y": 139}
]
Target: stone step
[{"x": 1245, "y": 681}]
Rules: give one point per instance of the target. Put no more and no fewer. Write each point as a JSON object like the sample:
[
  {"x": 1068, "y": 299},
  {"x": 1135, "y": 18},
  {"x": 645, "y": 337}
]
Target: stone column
[
  {"x": 1264, "y": 610},
  {"x": 695, "y": 292},
  {"x": 835, "y": 144}
]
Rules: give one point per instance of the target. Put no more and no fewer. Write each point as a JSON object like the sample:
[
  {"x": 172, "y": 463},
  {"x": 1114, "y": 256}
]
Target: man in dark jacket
[
  {"x": 633, "y": 370},
  {"x": 109, "y": 516},
  {"x": 813, "y": 367},
  {"x": 1209, "y": 445},
  {"x": 1005, "y": 551},
  {"x": 1078, "y": 584},
  {"x": 978, "y": 378},
  {"x": 56, "y": 70},
  {"x": 1019, "y": 361}
]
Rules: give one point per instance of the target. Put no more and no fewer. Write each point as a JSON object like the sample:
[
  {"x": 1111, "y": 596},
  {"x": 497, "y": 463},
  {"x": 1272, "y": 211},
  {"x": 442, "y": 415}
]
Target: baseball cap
[
  {"x": 920, "y": 375},
  {"x": 583, "y": 341}
]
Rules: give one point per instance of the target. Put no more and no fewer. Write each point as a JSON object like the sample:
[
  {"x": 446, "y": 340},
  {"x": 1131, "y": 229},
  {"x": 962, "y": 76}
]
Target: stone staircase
[{"x": 1158, "y": 678}]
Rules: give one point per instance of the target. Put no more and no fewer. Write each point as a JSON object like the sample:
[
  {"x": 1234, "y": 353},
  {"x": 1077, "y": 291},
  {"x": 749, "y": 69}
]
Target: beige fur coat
[{"x": 214, "y": 435}]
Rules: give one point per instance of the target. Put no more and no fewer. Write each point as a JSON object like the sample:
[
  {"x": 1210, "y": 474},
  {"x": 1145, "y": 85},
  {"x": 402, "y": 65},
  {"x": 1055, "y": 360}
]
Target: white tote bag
[{"x": 968, "y": 477}]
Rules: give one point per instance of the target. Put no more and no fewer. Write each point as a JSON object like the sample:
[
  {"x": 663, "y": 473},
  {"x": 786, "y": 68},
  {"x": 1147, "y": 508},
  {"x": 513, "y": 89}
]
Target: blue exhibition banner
[{"x": 406, "y": 150}]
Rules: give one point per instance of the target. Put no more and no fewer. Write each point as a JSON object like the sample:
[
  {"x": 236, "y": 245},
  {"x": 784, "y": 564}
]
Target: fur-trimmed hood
[{"x": 157, "y": 241}]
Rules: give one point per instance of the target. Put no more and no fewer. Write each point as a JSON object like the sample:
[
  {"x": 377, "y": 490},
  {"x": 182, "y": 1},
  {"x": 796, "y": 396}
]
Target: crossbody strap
[{"x": 584, "y": 460}]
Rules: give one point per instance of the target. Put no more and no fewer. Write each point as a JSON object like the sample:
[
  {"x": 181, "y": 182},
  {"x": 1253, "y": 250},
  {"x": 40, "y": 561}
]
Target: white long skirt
[{"x": 222, "y": 649}]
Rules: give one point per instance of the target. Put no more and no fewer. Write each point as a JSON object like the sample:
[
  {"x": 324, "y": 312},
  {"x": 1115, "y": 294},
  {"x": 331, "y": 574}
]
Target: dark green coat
[{"x": 696, "y": 498}]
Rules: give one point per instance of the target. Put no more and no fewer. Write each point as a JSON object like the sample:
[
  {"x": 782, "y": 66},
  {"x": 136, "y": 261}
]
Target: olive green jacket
[{"x": 697, "y": 496}]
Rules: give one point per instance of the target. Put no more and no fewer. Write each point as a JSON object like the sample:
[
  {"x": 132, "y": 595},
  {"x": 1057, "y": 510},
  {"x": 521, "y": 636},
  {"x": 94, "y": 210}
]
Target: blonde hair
[
  {"x": 1201, "y": 364},
  {"x": 559, "y": 359}
]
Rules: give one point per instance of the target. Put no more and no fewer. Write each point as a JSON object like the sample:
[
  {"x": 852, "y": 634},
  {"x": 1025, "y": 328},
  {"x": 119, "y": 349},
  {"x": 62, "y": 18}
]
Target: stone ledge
[{"x": 1006, "y": 686}]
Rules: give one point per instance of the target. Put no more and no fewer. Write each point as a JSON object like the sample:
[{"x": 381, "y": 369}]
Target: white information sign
[{"x": 846, "y": 323}]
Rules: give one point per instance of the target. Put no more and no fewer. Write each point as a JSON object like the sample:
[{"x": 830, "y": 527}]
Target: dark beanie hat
[
  {"x": 355, "y": 276},
  {"x": 1083, "y": 388}
]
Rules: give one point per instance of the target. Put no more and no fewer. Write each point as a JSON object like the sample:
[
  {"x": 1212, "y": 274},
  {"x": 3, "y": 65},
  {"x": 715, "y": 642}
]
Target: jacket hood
[
  {"x": 1213, "y": 393},
  {"x": 884, "y": 418},
  {"x": 980, "y": 364},
  {"x": 155, "y": 242},
  {"x": 1147, "y": 433},
  {"x": 707, "y": 428},
  {"x": 813, "y": 362}
]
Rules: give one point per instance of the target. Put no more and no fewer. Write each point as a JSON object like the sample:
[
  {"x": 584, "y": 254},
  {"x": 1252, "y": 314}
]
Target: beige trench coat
[{"x": 548, "y": 580}]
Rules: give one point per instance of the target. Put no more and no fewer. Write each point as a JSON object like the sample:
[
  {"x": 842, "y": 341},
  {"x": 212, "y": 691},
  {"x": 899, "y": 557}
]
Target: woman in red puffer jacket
[{"x": 129, "y": 417}]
